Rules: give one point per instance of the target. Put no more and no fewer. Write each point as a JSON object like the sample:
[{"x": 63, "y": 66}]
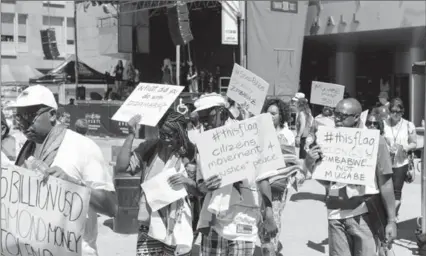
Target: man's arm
[
  {"x": 104, "y": 202},
  {"x": 266, "y": 193}
]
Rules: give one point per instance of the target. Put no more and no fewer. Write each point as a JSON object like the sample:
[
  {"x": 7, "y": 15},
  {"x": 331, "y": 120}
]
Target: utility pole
[{"x": 75, "y": 49}]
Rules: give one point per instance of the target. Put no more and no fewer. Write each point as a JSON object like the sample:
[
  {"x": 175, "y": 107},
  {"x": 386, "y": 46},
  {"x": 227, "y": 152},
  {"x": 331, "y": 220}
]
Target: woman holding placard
[
  {"x": 401, "y": 137},
  {"x": 280, "y": 113},
  {"x": 165, "y": 231}
]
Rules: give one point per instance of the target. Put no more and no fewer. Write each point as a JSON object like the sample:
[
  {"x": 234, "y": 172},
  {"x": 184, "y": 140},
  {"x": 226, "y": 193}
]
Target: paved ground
[
  {"x": 304, "y": 222},
  {"x": 304, "y": 226}
]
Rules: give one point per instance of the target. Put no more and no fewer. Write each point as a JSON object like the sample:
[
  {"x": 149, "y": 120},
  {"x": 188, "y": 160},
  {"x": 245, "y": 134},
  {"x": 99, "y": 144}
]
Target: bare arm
[
  {"x": 104, "y": 202},
  {"x": 412, "y": 139},
  {"x": 302, "y": 121},
  {"x": 123, "y": 158}
]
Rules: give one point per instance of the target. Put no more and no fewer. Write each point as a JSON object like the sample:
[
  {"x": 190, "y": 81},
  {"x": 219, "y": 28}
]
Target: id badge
[{"x": 244, "y": 229}]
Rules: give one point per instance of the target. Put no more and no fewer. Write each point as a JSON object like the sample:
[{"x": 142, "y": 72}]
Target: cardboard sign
[
  {"x": 248, "y": 89},
  {"x": 349, "y": 155},
  {"x": 41, "y": 219},
  {"x": 241, "y": 150},
  {"x": 326, "y": 94},
  {"x": 151, "y": 101}
]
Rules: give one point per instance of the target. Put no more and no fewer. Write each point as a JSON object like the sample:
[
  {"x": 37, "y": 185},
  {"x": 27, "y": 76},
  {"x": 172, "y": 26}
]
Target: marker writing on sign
[
  {"x": 241, "y": 130},
  {"x": 356, "y": 140}
]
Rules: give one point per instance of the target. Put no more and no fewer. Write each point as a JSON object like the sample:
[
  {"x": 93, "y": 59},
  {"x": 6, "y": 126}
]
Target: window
[
  {"x": 7, "y": 27},
  {"x": 70, "y": 31},
  {"x": 284, "y": 6},
  {"x": 58, "y": 4},
  {"x": 22, "y": 28}
]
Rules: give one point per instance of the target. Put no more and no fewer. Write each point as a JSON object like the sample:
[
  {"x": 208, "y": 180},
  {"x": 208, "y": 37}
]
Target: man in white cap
[
  {"x": 236, "y": 232},
  {"x": 69, "y": 155}
]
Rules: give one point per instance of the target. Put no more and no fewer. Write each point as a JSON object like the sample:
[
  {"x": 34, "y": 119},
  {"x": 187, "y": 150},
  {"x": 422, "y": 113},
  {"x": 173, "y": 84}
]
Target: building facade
[
  {"x": 369, "y": 47},
  {"x": 21, "y": 40}
]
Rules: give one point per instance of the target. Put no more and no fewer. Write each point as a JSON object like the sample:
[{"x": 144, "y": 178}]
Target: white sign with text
[
  {"x": 151, "y": 101},
  {"x": 326, "y": 94},
  {"x": 240, "y": 150},
  {"x": 349, "y": 155},
  {"x": 248, "y": 89},
  {"x": 41, "y": 219}
]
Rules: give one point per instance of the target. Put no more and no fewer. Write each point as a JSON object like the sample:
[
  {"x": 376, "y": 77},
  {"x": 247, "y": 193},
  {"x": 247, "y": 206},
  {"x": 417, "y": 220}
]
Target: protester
[
  {"x": 401, "y": 138},
  {"x": 81, "y": 126},
  {"x": 374, "y": 121},
  {"x": 326, "y": 117},
  {"x": 167, "y": 71},
  {"x": 304, "y": 123},
  {"x": 219, "y": 227},
  {"x": 172, "y": 149},
  {"x": 69, "y": 155},
  {"x": 8, "y": 144},
  {"x": 383, "y": 99},
  {"x": 280, "y": 113},
  {"x": 351, "y": 224},
  {"x": 192, "y": 78}
]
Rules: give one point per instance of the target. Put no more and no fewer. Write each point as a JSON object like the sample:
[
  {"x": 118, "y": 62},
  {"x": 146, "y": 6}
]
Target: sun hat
[
  {"x": 298, "y": 96},
  {"x": 35, "y": 95},
  {"x": 210, "y": 100}
]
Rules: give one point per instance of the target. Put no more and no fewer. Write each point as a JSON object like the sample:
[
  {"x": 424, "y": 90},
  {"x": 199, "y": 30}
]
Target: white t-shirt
[
  {"x": 399, "y": 134},
  {"x": 82, "y": 159}
]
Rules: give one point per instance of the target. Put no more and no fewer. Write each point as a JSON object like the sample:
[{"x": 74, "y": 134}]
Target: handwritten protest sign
[
  {"x": 246, "y": 88},
  {"x": 349, "y": 155},
  {"x": 241, "y": 150},
  {"x": 326, "y": 94},
  {"x": 150, "y": 101},
  {"x": 159, "y": 193},
  {"x": 41, "y": 219}
]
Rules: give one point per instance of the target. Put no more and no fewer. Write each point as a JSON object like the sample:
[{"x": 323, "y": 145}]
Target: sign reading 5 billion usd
[
  {"x": 241, "y": 150},
  {"x": 349, "y": 155}
]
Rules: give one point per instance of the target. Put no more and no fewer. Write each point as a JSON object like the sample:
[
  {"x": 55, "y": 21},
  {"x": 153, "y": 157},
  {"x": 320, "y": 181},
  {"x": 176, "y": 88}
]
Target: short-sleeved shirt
[
  {"x": 82, "y": 159},
  {"x": 345, "y": 191},
  {"x": 398, "y": 135}
]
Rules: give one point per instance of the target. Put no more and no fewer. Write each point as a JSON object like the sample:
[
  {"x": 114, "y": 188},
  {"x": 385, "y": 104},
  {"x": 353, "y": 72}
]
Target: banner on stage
[
  {"x": 41, "y": 218},
  {"x": 349, "y": 155},
  {"x": 242, "y": 150},
  {"x": 229, "y": 13},
  {"x": 326, "y": 94},
  {"x": 246, "y": 88},
  {"x": 151, "y": 101}
]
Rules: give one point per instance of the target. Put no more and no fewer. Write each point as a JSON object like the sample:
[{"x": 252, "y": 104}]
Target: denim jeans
[{"x": 352, "y": 237}]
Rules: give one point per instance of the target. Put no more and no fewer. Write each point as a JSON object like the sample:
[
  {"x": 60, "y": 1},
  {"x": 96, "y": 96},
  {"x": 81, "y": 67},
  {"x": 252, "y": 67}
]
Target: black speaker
[
  {"x": 48, "y": 43},
  {"x": 180, "y": 30},
  {"x": 81, "y": 93}
]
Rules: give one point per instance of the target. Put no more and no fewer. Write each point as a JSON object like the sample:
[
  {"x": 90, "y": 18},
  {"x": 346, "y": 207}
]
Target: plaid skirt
[
  {"x": 148, "y": 246},
  {"x": 213, "y": 245}
]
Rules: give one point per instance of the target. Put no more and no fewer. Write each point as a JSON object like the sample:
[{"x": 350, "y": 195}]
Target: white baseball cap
[
  {"x": 35, "y": 95},
  {"x": 298, "y": 96},
  {"x": 210, "y": 100}
]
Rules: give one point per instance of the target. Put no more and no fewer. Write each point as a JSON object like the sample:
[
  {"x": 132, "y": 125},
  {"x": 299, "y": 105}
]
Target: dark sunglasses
[
  {"x": 28, "y": 119},
  {"x": 166, "y": 136},
  {"x": 342, "y": 116},
  {"x": 396, "y": 112},
  {"x": 372, "y": 123}
]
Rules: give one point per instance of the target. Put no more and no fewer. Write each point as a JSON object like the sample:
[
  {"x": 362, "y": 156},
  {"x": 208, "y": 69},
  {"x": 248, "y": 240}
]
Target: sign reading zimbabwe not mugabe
[
  {"x": 349, "y": 155},
  {"x": 43, "y": 219}
]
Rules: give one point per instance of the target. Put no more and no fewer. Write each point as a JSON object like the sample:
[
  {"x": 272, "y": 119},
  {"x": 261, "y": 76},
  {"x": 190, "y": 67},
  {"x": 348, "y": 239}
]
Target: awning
[
  {"x": 419, "y": 68},
  {"x": 18, "y": 75}
]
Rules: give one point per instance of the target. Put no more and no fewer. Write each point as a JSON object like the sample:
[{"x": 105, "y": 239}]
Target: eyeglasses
[
  {"x": 396, "y": 112},
  {"x": 372, "y": 123},
  {"x": 28, "y": 119},
  {"x": 342, "y": 116}
]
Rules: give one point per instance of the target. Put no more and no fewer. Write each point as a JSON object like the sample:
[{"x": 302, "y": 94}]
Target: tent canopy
[
  {"x": 64, "y": 73},
  {"x": 419, "y": 68},
  {"x": 18, "y": 75}
]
